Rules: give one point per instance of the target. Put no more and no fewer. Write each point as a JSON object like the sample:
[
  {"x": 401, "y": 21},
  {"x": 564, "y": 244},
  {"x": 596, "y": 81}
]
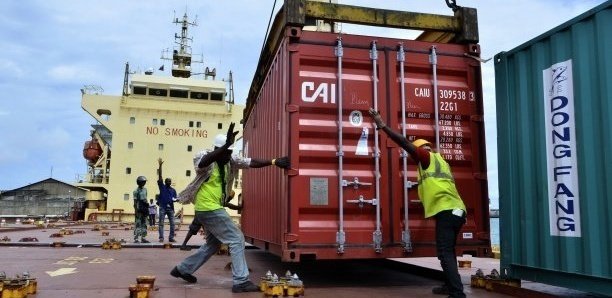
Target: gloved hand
[
  {"x": 231, "y": 135},
  {"x": 377, "y": 118},
  {"x": 282, "y": 162}
]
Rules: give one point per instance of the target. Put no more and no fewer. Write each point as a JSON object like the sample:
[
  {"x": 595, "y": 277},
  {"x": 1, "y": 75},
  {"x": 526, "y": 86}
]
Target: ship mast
[{"x": 181, "y": 54}]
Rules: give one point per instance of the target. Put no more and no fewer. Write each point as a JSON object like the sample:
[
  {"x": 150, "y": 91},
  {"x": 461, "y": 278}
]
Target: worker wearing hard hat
[
  {"x": 440, "y": 200},
  {"x": 209, "y": 191},
  {"x": 141, "y": 210}
]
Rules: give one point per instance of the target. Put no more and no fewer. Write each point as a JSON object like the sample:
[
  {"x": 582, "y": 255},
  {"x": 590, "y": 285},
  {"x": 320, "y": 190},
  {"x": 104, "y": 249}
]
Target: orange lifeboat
[{"x": 92, "y": 150}]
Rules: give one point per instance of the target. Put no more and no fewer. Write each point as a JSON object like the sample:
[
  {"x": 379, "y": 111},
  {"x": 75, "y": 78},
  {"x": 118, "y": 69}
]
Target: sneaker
[
  {"x": 171, "y": 240},
  {"x": 440, "y": 290},
  {"x": 161, "y": 240},
  {"x": 136, "y": 241},
  {"x": 246, "y": 286},
  {"x": 186, "y": 277},
  {"x": 185, "y": 248},
  {"x": 144, "y": 241}
]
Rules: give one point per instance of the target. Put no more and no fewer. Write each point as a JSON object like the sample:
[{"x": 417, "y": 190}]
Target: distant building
[{"x": 49, "y": 197}]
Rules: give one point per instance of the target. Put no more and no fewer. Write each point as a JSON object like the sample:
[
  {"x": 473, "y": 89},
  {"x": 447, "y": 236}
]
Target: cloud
[
  {"x": 52, "y": 48},
  {"x": 10, "y": 68}
]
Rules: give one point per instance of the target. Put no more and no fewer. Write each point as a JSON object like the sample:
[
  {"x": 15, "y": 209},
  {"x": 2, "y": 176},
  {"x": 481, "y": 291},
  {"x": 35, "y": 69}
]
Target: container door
[
  {"x": 436, "y": 95},
  {"x": 337, "y": 209}
]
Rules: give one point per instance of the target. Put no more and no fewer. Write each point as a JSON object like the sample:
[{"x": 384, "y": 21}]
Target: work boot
[
  {"x": 440, "y": 290},
  {"x": 246, "y": 286},
  {"x": 186, "y": 277},
  {"x": 144, "y": 241}
]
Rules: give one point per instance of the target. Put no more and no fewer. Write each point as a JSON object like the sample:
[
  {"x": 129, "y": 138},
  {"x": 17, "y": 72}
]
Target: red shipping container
[{"x": 330, "y": 204}]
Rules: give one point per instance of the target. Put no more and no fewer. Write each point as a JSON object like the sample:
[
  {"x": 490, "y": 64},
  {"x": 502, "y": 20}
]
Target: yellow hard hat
[{"x": 420, "y": 142}]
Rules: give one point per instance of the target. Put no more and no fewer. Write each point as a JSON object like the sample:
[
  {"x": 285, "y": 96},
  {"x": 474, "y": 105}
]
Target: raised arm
[
  {"x": 159, "y": 169},
  {"x": 396, "y": 137},
  {"x": 216, "y": 154},
  {"x": 282, "y": 162}
]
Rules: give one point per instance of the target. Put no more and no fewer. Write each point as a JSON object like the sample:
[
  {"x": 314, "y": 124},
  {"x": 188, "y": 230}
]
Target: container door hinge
[
  {"x": 292, "y": 108},
  {"x": 476, "y": 118},
  {"x": 289, "y": 237},
  {"x": 480, "y": 176}
]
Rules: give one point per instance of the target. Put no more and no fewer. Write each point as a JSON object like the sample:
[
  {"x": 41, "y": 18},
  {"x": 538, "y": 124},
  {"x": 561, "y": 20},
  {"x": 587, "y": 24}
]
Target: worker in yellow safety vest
[{"x": 440, "y": 200}]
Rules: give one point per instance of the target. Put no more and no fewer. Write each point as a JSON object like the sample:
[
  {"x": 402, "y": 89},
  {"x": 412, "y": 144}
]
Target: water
[{"x": 494, "y": 231}]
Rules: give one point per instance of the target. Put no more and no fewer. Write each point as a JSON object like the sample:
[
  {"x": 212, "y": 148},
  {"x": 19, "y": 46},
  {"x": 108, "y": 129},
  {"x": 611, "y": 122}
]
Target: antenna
[{"x": 181, "y": 52}]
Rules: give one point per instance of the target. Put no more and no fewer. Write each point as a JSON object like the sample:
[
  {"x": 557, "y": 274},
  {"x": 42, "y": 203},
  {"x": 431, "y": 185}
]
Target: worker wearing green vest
[
  {"x": 209, "y": 192},
  {"x": 440, "y": 200}
]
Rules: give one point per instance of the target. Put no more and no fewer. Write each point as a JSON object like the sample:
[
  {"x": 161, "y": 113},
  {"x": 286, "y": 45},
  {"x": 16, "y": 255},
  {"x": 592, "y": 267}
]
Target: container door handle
[
  {"x": 355, "y": 183},
  {"x": 361, "y": 201}
]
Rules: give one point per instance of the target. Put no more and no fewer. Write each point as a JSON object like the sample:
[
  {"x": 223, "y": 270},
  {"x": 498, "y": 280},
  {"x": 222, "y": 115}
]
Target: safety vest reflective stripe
[{"x": 438, "y": 172}]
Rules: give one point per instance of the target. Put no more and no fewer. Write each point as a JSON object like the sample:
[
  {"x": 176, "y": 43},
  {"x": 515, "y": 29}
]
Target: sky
[{"x": 51, "y": 49}]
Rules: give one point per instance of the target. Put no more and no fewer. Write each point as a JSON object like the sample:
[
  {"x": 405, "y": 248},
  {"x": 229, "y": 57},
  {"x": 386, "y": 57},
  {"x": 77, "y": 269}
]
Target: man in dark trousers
[
  {"x": 215, "y": 171},
  {"x": 440, "y": 200},
  {"x": 167, "y": 196},
  {"x": 141, "y": 210},
  {"x": 152, "y": 213}
]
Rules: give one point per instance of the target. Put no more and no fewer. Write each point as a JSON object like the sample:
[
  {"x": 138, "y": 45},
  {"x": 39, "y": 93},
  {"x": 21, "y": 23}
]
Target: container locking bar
[
  {"x": 409, "y": 184},
  {"x": 401, "y": 57},
  {"x": 433, "y": 60},
  {"x": 377, "y": 235},
  {"x": 340, "y": 235}
]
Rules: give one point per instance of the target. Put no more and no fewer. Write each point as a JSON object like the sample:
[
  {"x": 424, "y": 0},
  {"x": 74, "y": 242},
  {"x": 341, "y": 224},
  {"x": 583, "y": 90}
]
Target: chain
[{"x": 452, "y": 4}]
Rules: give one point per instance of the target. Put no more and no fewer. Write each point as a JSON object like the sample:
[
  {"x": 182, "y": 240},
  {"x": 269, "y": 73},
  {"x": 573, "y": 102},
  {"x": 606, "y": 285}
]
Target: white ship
[{"x": 156, "y": 117}]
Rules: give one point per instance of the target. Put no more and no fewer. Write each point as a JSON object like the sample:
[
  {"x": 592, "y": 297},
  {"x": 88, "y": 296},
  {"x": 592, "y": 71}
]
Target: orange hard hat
[{"x": 420, "y": 142}]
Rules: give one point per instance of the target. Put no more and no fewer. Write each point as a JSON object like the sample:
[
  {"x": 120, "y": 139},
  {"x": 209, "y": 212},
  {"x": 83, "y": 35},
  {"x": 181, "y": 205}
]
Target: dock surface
[{"x": 83, "y": 269}]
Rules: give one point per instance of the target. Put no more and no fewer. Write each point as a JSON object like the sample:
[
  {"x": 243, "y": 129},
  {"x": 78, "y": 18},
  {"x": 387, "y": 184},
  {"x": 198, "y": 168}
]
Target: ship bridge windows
[
  {"x": 198, "y": 95},
  {"x": 130, "y": 145},
  {"x": 189, "y": 148},
  {"x": 154, "y": 121},
  {"x": 162, "y": 122},
  {"x": 158, "y": 92},
  {"x": 132, "y": 120},
  {"x": 178, "y": 92},
  {"x": 139, "y": 89},
  {"x": 216, "y": 96}
]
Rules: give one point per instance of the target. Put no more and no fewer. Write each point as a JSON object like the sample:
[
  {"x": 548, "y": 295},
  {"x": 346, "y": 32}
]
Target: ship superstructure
[{"x": 156, "y": 117}]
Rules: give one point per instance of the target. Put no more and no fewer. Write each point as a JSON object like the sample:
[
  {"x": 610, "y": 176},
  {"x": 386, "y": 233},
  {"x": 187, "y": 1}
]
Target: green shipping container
[{"x": 554, "y": 120}]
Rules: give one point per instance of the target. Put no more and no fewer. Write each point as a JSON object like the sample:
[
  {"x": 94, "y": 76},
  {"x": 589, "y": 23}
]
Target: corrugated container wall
[
  {"x": 554, "y": 106},
  {"x": 330, "y": 204}
]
